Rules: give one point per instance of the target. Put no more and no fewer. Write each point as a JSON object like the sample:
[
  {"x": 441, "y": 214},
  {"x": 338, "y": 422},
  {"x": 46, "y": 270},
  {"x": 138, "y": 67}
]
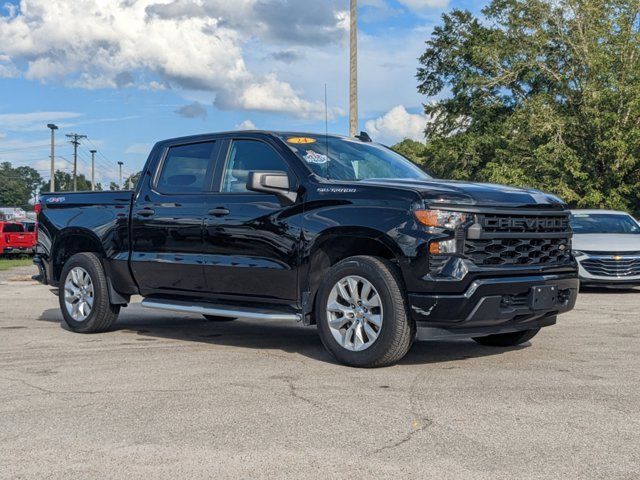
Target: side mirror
[{"x": 271, "y": 182}]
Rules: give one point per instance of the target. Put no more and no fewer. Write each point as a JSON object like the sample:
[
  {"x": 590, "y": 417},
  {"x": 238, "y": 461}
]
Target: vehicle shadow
[
  {"x": 279, "y": 336},
  {"x": 610, "y": 290}
]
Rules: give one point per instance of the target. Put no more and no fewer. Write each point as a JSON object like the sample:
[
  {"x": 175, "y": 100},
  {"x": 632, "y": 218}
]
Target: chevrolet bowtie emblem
[{"x": 617, "y": 258}]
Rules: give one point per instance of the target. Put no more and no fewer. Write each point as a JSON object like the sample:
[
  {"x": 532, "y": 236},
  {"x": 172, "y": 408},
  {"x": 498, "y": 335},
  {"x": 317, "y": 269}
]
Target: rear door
[
  {"x": 167, "y": 219},
  {"x": 250, "y": 239}
]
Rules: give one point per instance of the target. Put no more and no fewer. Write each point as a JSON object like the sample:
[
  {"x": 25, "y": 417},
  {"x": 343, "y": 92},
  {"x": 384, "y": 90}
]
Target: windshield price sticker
[{"x": 301, "y": 140}]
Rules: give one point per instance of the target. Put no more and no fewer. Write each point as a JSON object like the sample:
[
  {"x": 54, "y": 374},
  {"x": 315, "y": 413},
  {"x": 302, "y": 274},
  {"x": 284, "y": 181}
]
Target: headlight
[
  {"x": 439, "y": 221},
  {"x": 441, "y": 218},
  {"x": 577, "y": 253}
]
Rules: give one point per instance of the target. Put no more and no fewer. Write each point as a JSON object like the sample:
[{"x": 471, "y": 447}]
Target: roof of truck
[{"x": 276, "y": 133}]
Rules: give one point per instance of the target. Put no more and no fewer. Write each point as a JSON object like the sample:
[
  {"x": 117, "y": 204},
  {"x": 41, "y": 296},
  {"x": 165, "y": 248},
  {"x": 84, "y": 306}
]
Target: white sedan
[{"x": 606, "y": 244}]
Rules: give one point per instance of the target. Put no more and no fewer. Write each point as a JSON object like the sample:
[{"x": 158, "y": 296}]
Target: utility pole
[
  {"x": 53, "y": 128},
  {"x": 353, "y": 71},
  {"x": 75, "y": 142},
  {"x": 93, "y": 169},
  {"x": 120, "y": 183}
]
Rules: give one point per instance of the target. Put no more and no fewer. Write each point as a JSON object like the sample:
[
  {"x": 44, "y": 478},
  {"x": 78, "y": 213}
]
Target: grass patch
[{"x": 8, "y": 263}]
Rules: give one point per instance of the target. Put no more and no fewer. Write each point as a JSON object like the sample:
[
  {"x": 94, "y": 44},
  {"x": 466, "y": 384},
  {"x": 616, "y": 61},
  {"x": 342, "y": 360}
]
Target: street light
[
  {"x": 93, "y": 169},
  {"x": 53, "y": 128},
  {"x": 120, "y": 184}
]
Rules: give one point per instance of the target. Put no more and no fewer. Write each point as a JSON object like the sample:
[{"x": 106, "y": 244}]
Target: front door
[
  {"x": 167, "y": 222},
  {"x": 250, "y": 239}
]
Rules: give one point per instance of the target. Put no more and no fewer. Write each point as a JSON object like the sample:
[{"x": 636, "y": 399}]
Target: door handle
[
  {"x": 146, "y": 212},
  {"x": 219, "y": 212}
]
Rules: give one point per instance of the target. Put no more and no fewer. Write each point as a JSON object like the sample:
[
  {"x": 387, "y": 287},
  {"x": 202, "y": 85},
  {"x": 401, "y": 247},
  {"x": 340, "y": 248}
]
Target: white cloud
[
  {"x": 396, "y": 125},
  {"x": 246, "y": 125},
  {"x": 193, "y": 110},
  {"x": 7, "y": 69},
  {"x": 192, "y": 45},
  {"x": 139, "y": 148},
  {"x": 33, "y": 120},
  {"x": 424, "y": 4},
  {"x": 272, "y": 95}
]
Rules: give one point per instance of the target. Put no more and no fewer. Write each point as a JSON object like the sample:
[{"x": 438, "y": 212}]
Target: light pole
[
  {"x": 93, "y": 169},
  {"x": 353, "y": 71},
  {"x": 53, "y": 128},
  {"x": 120, "y": 183}
]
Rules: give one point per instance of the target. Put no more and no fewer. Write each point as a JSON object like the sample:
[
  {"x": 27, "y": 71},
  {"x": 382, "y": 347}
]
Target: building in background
[{"x": 9, "y": 214}]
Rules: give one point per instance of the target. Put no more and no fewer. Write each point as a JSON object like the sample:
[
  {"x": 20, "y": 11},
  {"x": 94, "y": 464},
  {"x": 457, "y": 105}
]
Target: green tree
[
  {"x": 132, "y": 180},
  {"x": 18, "y": 185},
  {"x": 414, "y": 151},
  {"x": 64, "y": 183},
  {"x": 542, "y": 93}
]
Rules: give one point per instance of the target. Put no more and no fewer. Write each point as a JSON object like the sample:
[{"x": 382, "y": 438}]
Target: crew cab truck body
[{"x": 334, "y": 231}]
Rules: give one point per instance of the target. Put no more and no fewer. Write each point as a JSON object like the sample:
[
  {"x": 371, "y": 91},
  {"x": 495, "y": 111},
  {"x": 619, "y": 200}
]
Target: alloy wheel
[
  {"x": 354, "y": 313},
  {"x": 78, "y": 294}
]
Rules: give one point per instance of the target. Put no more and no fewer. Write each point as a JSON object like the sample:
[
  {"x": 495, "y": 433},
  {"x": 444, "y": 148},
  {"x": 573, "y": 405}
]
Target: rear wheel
[
  {"x": 361, "y": 313},
  {"x": 507, "y": 339},
  {"x": 84, "y": 295}
]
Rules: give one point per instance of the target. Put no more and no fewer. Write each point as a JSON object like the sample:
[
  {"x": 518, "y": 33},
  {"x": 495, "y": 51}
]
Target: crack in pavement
[
  {"x": 420, "y": 422},
  {"x": 45, "y": 391}
]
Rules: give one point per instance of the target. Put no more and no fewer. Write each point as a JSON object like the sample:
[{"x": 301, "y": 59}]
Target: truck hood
[
  {"x": 473, "y": 194},
  {"x": 607, "y": 242}
]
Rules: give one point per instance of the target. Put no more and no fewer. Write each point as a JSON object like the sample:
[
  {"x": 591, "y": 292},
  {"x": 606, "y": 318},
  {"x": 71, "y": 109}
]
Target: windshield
[
  {"x": 603, "y": 223},
  {"x": 350, "y": 159}
]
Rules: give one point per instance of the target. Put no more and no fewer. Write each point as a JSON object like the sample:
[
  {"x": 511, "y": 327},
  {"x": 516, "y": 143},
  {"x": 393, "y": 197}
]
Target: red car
[{"x": 17, "y": 238}]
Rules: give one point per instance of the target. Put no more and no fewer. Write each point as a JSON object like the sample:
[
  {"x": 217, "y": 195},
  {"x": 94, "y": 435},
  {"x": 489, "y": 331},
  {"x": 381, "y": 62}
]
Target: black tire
[
  {"x": 507, "y": 339},
  {"x": 103, "y": 313},
  {"x": 216, "y": 318},
  {"x": 398, "y": 330}
]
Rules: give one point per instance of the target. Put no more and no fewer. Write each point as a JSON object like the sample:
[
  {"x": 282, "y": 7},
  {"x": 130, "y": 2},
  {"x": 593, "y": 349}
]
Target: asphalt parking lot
[{"x": 173, "y": 396}]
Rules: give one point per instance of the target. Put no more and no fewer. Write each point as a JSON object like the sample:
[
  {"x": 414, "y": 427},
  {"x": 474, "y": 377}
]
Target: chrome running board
[{"x": 220, "y": 310}]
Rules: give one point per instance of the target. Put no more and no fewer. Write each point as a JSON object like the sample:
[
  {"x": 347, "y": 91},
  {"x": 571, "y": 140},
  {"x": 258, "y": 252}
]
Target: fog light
[{"x": 445, "y": 246}]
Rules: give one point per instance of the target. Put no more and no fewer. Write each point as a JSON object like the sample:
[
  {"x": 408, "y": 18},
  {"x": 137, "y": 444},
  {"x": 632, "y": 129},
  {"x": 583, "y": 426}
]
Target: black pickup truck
[{"x": 337, "y": 232}]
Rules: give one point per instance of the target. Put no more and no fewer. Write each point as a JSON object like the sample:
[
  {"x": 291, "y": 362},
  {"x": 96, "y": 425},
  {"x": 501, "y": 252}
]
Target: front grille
[
  {"x": 610, "y": 267},
  {"x": 506, "y": 239},
  {"x": 515, "y": 251}
]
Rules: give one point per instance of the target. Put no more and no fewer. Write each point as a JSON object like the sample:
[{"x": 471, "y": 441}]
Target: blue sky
[{"x": 130, "y": 72}]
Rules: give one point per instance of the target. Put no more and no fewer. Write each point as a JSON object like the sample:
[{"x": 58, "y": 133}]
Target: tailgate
[{"x": 19, "y": 240}]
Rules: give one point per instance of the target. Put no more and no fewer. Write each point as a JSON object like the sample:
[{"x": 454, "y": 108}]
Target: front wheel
[
  {"x": 507, "y": 339},
  {"x": 361, "y": 311},
  {"x": 84, "y": 295}
]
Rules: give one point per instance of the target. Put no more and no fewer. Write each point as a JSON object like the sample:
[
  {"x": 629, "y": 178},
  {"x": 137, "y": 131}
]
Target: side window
[
  {"x": 185, "y": 168},
  {"x": 246, "y": 156}
]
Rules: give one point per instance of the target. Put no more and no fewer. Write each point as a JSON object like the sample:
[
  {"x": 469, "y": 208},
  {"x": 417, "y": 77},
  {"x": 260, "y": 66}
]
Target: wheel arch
[
  {"x": 338, "y": 244},
  {"x": 71, "y": 241}
]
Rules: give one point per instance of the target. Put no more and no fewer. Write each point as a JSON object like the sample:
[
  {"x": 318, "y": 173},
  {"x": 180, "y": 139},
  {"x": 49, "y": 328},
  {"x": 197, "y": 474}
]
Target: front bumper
[{"x": 496, "y": 305}]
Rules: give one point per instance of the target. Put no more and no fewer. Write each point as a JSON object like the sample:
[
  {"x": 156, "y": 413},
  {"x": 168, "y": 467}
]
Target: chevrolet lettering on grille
[{"x": 529, "y": 223}]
